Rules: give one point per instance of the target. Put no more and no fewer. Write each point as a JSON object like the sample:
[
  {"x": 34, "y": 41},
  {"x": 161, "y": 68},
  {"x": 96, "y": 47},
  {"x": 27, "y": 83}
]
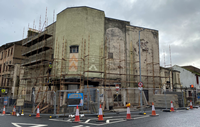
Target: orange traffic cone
[
  {"x": 153, "y": 110},
  {"x": 77, "y": 119},
  {"x": 100, "y": 114},
  {"x": 191, "y": 107},
  {"x": 14, "y": 111},
  {"x": 172, "y": 107},
  {"x": 38, "y": 112},
  {"x": 4, "y": 110},
  {"x": 128, "y": 115}
]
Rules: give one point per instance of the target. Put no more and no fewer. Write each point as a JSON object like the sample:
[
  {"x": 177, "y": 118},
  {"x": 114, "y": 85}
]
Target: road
[{"x": 180, "y": 118}]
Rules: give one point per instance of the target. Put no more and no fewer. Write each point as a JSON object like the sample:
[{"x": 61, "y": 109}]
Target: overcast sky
[{"x": 178, "y": 21}]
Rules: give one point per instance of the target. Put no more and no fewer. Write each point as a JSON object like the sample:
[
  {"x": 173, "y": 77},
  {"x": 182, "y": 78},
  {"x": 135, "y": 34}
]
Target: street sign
[
  {"x": 20, "y": 102},
  {"x": 75, "y": 96},
  {"x": 140, "y": 84},
  {"x": 140, "y": 88},
  {"x": 117, "y": 87},
  {"x": 3, "y": 90},
  {"x": 5, "y": 100}
]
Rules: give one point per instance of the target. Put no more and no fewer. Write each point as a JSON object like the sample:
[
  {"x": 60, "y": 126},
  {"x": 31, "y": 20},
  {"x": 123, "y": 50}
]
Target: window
[
  {"x": 51, "y": 56},
  {"x": 119, "y": 97},
  {"x": 0, "y": 68},
  {"x": 73, "y": 49},
  {"x": 11, "y": 51},
  {"x": 8, "y": 52},
  {"x": 3, "y": 67},
  {"x": 10, "y": 62},
  {"x": 5, "y": 54},
  {"x": 110, "y": 55},
  {"x": 1, "y": 55}
]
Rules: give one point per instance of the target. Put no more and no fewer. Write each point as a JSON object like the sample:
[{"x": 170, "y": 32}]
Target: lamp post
[{"x": 140, "y": 71}]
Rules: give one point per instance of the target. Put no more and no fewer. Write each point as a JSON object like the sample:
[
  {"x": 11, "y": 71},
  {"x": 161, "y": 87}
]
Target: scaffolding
[{"x": 88, "y": 71}]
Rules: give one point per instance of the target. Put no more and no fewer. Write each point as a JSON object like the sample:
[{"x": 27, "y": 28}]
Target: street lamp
[{"x": 140, "y": 71}]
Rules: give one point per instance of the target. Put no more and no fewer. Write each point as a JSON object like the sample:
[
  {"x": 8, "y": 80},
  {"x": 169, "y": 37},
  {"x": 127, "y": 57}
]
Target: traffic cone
[
  {"x": 14, "y": 111},
  {"x": 22, "y": 114},
  {"x": 172, "y": 107},
  {"x": 100, "y": 114},
  {"x": 4, "y": 110},
  {"x": 153, "y": 110},
  {"x": 77, "y": 119},
  {"x": 191, "y": 107},
  {"x": 38, "y": 112},
  {"x": 128, "y": 115}
]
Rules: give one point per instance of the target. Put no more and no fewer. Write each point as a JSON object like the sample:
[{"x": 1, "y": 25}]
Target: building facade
[
  {"x": 88, "y": 49},
  {"x": 10, "y": 60}
]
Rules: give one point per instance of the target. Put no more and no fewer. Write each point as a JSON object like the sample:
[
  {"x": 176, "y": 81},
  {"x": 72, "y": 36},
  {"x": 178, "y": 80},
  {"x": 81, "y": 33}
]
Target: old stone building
[
  {"x": 10, "y": 60},
  {"x": 88, "y": 49}
]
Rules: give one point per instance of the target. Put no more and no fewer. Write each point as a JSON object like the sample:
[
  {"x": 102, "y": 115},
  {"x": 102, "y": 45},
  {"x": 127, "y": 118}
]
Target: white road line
[
  {"x": 87, "y": 121},
  {"x": 60, "y": 120},
  {"x": 103, "y": 123},
  {"x": 107, "y": 121},
  {"x": 140, "y": 117},
  {"x": 30, "y": 125}
]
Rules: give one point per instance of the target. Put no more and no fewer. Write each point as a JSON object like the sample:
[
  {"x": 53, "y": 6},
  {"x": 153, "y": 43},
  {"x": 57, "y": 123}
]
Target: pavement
[{"x": 180, "y": 118}]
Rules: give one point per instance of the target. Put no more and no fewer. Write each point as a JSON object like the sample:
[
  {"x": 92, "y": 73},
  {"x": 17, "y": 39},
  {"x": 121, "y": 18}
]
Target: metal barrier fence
[{"x": 64, "y": 102}]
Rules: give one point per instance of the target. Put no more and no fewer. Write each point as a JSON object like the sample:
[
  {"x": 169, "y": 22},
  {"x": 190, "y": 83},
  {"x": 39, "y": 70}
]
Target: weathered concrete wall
[
  {"x": 159, "y": 100},
  {"x": 149, "y": 55},
  {"x": 115, "y": 33},
  {"x": 77, "y": 25}
]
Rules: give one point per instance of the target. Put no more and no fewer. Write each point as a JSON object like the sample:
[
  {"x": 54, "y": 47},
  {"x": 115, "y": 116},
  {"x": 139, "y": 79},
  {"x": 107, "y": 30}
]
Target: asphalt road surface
[{"x": 180, "y": 118}]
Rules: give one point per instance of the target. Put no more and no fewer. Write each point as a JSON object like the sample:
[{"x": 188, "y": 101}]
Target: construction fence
[{"x": 64, "y": 102}]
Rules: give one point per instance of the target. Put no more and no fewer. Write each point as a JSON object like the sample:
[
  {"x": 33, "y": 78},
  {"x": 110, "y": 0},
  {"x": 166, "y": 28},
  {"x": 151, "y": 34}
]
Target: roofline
[
  {"x": 51, "y": 24},
  {"x": 10, "y": 43},
  {"x": 80, "y": 7},
  {"x": 142, "y": 27},
  {"x": 117, "y": 19}
]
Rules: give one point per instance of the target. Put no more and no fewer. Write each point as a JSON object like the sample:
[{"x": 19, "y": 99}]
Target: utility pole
[{"x": 140, "y": 71}]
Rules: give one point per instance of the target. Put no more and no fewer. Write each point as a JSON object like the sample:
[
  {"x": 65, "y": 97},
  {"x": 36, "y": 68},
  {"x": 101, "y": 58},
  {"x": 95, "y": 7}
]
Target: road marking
[
  {"x": 4, "y": 114},
  {"x": 30, "y": 125},
  {"x": 141, "y": 117},
  {"x": 69, "y": 120},
  {"x": 87, "y": 121},
  {"x": 108, "y": 121},
  {"x": 80, "y": 126}
]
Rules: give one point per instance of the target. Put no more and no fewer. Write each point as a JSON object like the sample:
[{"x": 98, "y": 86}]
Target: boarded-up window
[{"x": 110, "y": 55}]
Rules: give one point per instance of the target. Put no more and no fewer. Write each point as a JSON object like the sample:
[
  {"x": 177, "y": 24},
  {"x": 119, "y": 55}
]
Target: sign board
[
  {"x": 140, "y": 88},
  {"x": 3, "y": 91},
  {"x": 74, "y": 97},
  {"x": 140, "y": 84},
  {"x": 20, "y": 102},
  {"x": 73, "y": 101},
  {"x": 5, "y": 100},
  {"x": 117, "y": 87}
]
